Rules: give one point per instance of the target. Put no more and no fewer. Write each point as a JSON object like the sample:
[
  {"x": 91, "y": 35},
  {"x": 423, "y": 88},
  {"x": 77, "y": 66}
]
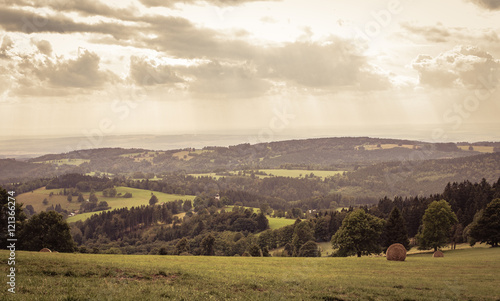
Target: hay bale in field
[
  {"x": 45, "y": 250},
  {"x": 396, "y": 252},
  {"x": 438, "y": 254}
]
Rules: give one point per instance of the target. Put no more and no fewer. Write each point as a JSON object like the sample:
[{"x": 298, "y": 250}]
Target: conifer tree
[{"x": 395, "y": 230}]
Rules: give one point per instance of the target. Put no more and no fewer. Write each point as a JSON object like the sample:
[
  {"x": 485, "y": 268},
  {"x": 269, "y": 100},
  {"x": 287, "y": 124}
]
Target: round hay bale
[
  {"x": 396, "y": 252},
  {"x": 45, "y": 250},
  {"x": 438, "y": 254}
]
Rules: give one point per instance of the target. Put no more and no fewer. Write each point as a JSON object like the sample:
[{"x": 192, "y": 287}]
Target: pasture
[
  {"x": 292, "y": 173},
  {"x": 75, "y": 162},
  {"x": 467, "y": 274},
  {"x": 279, "y": 222},
  {"x": 478, "y": 148},
  {"x": 298, "y": 173},
  {"x": 139, "y": 197}
]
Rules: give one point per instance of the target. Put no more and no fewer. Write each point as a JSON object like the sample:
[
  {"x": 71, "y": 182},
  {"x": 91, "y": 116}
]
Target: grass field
[
  {"x": 296, "y": 173},
  {"x": 385, "y": 146},
  {"x": 139, "y": 197},
  {"x": 76, "y": 162},
  {"x": 277, "y": 222},
  {"x": 469, "y": 274},
  {"x": 478, "y": 148}
]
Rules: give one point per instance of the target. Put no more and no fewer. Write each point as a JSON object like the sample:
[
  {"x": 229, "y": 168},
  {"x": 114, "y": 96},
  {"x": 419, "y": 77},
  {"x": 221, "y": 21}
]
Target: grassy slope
[
  {"x": 293, "y": 173},
  {"x": 276, "y": 222},
  {"x": 469, "y": 274},
  {"x": 139, "y": 197},
  {"x": 296, "y": 173}
]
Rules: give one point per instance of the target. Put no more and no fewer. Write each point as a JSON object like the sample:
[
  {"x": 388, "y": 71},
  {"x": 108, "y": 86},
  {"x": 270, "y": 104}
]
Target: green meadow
[
  {"x": 292, "y": 173},
  {"x": 466, "y": 274},
  {"x": 139, "y": 197},
  {"x": 297, "y": 173},
  {"x": 75, "y": 162},
  {"x": 279, "y": 222}
]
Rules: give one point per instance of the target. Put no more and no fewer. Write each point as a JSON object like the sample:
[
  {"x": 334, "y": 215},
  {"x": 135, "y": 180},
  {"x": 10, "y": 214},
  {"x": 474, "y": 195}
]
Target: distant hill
[
  {"x": 423, "y": 178},
  {"x": 375, "y": 166},
  {"x": 324, "y": 153}
]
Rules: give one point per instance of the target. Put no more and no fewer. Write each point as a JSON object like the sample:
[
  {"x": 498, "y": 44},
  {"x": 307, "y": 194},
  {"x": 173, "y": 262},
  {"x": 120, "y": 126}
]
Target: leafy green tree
[
  {"x": 47, "y": 230},
  {"x": 265, "y": 208},
  {"x": 487, "y": 228},
  {"x": 309, "y": 249},
  {"x": 436, "y": 225},
  {"x": 255, "y": 251},
  {"x": 208, "y": 245},
  {"x": 289, "y": 249},
  {"x": 359, "y": 234},
  {"x": 69, "y": 198},
  {"x": 109, "y": 192},
  {"x": 80, "y": 198},
  {"x": 182, "y": 246},
  {"x": 302, "y": 234},
  {"x": 4, "y": 217},
  {"x": 262, "y": 222},
  {"x": 186, "y": 206},
  {"x": 93, "y": 198},
  {"x": 45, "y": 201},
  {"x": 127, "y": 195},
  {"x": 395, "y": 230},
  {"x": 153, "y": 200}
]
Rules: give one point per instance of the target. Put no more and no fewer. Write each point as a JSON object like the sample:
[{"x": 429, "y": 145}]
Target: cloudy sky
[{"x": 418, "y": 69}]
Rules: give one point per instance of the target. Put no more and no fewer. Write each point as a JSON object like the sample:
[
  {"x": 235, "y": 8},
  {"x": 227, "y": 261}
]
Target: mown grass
[
  {"x": 139, "y": 197},
  {"x": 470, "y": 274},
  {"x": 297, "y": 173},
  {"x": 279, "y": 222},
  {"x": 480, "y": 148},
  {"x": 75, "y": 162},
  {"x": 386, "y": 146}
]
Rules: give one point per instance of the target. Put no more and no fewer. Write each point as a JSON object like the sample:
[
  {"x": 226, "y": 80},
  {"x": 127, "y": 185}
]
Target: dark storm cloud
[
  {"x": 83, "y": 7},
  {"x": 59, "y": 74},
  {"x": 488, "y": 4},
  {"x": 18, "y": 20}
]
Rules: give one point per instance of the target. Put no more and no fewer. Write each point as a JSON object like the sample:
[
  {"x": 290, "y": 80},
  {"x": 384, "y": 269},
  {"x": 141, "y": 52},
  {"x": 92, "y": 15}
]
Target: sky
[{"x": 427, "y": 70}]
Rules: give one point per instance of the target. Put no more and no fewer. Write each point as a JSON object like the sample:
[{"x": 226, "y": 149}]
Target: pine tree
[
  {"x": 395, "y": 230},
  {"x": 487, "y": 228},
  {"x": 153, "y": 200}
]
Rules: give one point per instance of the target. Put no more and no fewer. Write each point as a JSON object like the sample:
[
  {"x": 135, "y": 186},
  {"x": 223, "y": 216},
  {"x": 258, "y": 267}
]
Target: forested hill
[
  {"x": 423, "y": 178},
  {"x": 324, "y": 153},
  {"x": 346, "y": 154}
]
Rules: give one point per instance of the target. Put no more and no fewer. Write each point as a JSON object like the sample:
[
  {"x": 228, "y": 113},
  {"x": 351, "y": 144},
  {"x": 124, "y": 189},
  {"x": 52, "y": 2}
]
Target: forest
[{"x": 226, "y": 226}]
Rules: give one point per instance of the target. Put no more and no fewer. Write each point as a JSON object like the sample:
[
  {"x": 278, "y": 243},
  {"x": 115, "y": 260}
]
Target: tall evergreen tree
[{"x": 395, "y": 230}]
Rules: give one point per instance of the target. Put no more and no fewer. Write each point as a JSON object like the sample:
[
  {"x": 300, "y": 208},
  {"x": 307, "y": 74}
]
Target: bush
[{"x": 309, "y": 249}]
